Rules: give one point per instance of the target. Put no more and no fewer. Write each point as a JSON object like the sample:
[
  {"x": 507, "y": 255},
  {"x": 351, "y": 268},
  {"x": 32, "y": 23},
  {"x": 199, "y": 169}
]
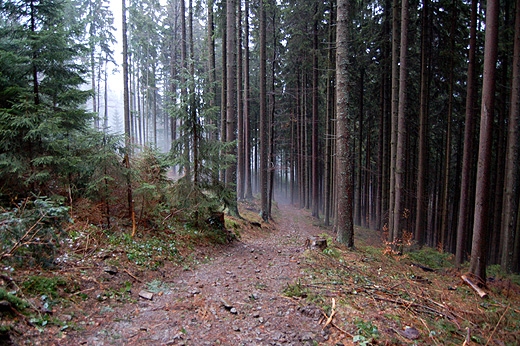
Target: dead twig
[
  {"x": 340, "y": 329},
  {"x": 496, "y": 326},
  {"x": 83, "y": 291},
  {"x": 132, "y": 276},
  {"x": 408, "y": 304},
  {"x": 22, "y": 241}
]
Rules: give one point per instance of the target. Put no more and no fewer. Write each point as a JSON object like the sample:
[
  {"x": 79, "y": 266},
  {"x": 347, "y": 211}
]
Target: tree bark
[
  {"x": 211, "y": 62},
  {"x": 446, "y": 198},
  {"x": 394, "y": 118},
  {"x": 401, "y": 128},
  {"x": 240, "y": 110},
  {"x": 247, "y": 92},
  {"x": 223, "y": 93},
  {"x": 264, "y": 145},
  {"x": 126, "y": 109},
  {"x": 480, "y": 227},
  {"x": 327, "y": 185},
  {"x": 422, "y": 177},
  {"x": 511, "y": 179},
  {"x": 314, "y": 144},
  {"x": 231, "y": 99},
  {"x": 344, "y": 222},
  {"x": 471, "y": 96}
]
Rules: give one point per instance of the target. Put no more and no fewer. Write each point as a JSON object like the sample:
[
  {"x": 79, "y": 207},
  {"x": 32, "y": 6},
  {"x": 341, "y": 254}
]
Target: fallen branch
[
  {"x": 332, "y": 313},
  {"x": 338, "y": 328},
  {"x": 131, "y": 275},
  {"x": 477, "y": 289},
  {"x": 407, "y": 304}
]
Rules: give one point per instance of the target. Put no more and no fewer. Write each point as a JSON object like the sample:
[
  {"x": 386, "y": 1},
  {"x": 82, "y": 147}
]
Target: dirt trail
[{"x": 249, "y": 276}]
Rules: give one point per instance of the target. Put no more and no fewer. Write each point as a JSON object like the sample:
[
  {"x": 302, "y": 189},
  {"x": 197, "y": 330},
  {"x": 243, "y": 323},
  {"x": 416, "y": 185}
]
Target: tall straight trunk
[
  {"x": 381, "y": 166},
  {"x": 305, "y": 149},
  {"x": 184, "y": 87},
  {"x": 358, "y": 187},
  {"x": 422, "y": 174},
  {"x": 93, "y": 85},
  {"x": 105, "y": 96},
  {"x": 154, "y": 105},
  {"x": 327, "y": 185},
  {"x": 194, "y": 122},
  {"x": 126, "y": 109},
  {"x": 367, "y": 211},
  {"x": 344, "y": 224},
  {"x": 479, "y": 242},
  {"x": 447, "y": 199},
  {"x": 223, "y": 93},
  {"x": 314, "y": 144},
  {"x": 247, "y": 143},
  {"x": 211, "y": 63},
  {"x": 299, "y": 136},
  {"x": 240, "y": 108},
  {"x": 401, "y": 128},
  {"x": 383, "y": 152},
  {"x": 471, "y": 96},
  {"x": 510, "y": 199},
  {"x": 263, "y": 117},
  {"x": 136, "y": 98},
  {"x": 173, "y": 85},
  {"x": 231, "y": 99},
  {"x": 394, "y": 118},
  {"x": 272, "y": 92}
]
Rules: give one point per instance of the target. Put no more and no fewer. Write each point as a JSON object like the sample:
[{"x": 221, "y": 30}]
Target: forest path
[{"x": 248, "y": 275}]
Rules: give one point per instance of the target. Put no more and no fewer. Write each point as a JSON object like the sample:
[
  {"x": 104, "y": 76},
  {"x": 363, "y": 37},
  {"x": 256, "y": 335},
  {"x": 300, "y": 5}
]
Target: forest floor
[{"x": 269, "y": 287}]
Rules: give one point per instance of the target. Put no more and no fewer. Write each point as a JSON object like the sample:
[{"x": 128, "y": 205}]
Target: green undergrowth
[
  {"x": 147, "y": 251},
  {"x": 17, "y": 303},
  {"x": 379, "y": 297}
]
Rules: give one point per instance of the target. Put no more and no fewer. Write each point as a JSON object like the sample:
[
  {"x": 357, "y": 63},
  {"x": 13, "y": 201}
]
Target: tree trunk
[
  {"x": 184, "y": 87},
  {"x": 344, "y": 222},
  {"x": 358, "y": 186},
  {"x": 401, "y": 128},
  {"x": 511, "y": 178},
  {"x": 471, "y": 95},
  {"x": 314, "y": 144},
  {"x": 126, "y": 108},
  {"x": 240, "y": 108},
  {"x": 231, "y": 99},
  {"x": 272, "y": 93},
  {"x": 211, "y": 60},
  {"x": 264, "y": 145},
  {"x": 480, "y": 227},
  {"x": 422, "y": 174},
  {"x": 446, "y": 198},
  {"x": 247, "y": 142},
  {"x": 194, "y": 122},
  {"x": 327, "y": 185},
  {"x": 223, "y": 93}
]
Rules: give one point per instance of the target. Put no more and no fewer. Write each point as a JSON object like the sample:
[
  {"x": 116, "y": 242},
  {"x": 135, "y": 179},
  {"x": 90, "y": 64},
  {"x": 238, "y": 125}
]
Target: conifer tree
[{"x": 40, "y": 98}]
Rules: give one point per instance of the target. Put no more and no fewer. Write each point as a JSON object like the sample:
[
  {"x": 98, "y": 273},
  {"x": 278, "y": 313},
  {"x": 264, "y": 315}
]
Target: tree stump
[{"x": 316, "y": 243}]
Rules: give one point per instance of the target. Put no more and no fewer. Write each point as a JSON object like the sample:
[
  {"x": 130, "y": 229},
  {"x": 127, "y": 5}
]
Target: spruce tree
[{"x": 41, "y": 111}]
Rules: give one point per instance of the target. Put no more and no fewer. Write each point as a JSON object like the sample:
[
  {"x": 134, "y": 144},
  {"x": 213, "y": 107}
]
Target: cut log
[{"x": 471, "y": 284}]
